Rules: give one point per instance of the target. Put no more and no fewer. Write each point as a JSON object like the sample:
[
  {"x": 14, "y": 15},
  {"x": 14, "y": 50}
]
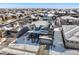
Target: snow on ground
[
  {"x": 14, "y": 51},
  {"x": 57, "y": 43},
  {"x": 25, "y": 47}
]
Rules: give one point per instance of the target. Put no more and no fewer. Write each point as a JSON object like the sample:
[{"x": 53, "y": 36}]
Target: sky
[{"x": 39, "y": 5}]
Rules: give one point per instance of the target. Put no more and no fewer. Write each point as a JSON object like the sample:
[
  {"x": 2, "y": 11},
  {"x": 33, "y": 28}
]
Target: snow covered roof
[
  {"x": 61, "y": 12},
  {"x": 50, "y": 15},
  {"x": 38, "y": 23},
  {"x": 68, "y": 17},
  {"x": 72, "y": 12},
  {"x": 41, "y": 14},
  {"x": 18, "y": 13},
  {"x": 11, "y": 14},
  {"x": 32, "y": 16}
]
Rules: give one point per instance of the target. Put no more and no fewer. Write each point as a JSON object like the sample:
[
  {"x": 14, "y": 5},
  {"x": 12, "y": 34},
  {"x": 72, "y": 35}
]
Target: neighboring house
[
  {"x": 71, "y": 36},
  {"x": 68, "y": 20}
]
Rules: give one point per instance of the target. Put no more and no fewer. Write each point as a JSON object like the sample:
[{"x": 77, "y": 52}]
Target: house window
[
  {"x": 72, "y": 42},
  {"x": 67, "y": 41},
  {"x": 76, "y": 42}
]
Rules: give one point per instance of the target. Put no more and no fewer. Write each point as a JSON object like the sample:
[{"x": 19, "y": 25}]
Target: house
[
  {"x": 66, "y": 20},
  {"x": 70, "y": 34}
]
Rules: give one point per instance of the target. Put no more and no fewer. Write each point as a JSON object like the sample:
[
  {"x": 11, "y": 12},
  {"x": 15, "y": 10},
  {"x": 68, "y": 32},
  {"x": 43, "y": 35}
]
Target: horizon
[{"x": 39, "y": 5}]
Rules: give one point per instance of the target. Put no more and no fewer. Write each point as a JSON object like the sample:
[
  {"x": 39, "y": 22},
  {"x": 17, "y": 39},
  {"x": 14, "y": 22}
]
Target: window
[
  {"x": 72, "y": 42},
  {"x": 67, "y": 41},
  {"x": 76, "y": 42}
]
